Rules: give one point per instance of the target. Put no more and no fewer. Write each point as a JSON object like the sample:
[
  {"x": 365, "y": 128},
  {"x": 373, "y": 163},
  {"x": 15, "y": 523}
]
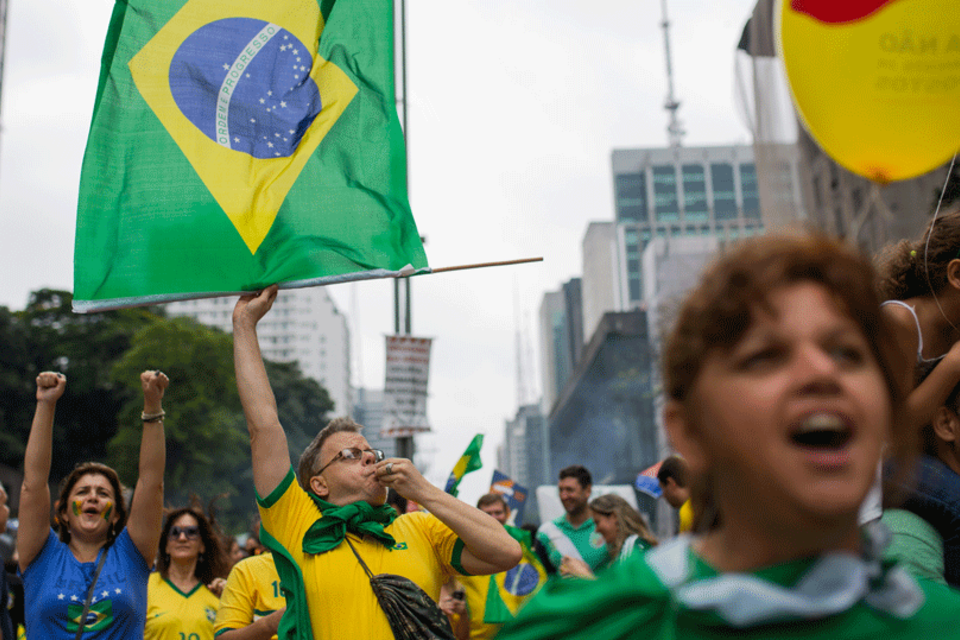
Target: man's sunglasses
[{"x": 353, "y": 453}]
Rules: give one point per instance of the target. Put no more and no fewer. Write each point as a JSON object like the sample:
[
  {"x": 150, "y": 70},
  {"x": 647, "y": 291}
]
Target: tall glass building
[{"x": 684, "y": 191}]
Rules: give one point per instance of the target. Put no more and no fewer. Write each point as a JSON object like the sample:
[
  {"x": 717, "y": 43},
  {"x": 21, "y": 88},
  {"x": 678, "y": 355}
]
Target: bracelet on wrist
[{"x": 153, "y": 417}]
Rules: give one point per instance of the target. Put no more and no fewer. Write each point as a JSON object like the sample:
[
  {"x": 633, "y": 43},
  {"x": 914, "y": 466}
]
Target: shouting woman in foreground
[{"x": 780, "y": 401}]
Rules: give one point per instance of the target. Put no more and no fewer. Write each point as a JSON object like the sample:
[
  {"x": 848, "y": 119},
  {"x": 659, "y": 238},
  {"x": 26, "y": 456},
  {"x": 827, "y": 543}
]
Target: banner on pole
[
  {"x": 405, "y": 386},
  {"x": 239, "y": 143}
]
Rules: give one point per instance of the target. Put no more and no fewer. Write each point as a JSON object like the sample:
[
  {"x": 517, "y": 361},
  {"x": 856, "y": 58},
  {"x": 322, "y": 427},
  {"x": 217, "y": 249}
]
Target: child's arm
[{"x": 922, "y": 400}]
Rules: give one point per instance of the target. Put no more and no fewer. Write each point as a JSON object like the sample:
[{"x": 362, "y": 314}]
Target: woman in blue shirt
[{"x": 97, "y": 552}]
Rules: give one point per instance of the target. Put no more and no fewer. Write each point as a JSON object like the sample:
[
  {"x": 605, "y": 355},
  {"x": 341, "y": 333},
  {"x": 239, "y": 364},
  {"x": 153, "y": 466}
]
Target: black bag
[{"x": 412, "y": 614}]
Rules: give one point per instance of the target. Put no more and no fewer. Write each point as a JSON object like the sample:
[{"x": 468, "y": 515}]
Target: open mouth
[{"x": 822, "y": 431}]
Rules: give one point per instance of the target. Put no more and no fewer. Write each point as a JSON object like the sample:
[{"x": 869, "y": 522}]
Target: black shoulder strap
[
  {"x": 93, "y": 585},
  {"x": 363, "y": 564}
]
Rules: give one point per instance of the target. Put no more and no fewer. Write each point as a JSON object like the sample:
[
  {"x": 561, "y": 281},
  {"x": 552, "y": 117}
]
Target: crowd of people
[{"x": 813, "y": 404}]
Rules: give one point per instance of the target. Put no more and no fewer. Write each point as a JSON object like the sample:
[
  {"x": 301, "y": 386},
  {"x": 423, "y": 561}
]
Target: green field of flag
[{"x": 239, "y": 143}]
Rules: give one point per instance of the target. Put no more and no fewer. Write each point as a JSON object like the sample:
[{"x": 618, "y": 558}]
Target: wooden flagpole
[{"x": 478, "y": 265}]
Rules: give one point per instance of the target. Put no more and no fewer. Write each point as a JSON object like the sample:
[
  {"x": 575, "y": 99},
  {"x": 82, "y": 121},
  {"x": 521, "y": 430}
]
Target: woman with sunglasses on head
[
  {"x": 780, "y": 400},
  {"x": 184, "y": 592},
  {"x": 622, "y": 528},
  {"x": 92, "y": 569}
]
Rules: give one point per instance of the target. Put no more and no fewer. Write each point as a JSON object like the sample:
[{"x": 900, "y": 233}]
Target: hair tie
[{"x": 913, "y": 254}]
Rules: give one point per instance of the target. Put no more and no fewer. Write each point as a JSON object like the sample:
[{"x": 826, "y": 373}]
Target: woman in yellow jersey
[{"x": 180, "y": 602}]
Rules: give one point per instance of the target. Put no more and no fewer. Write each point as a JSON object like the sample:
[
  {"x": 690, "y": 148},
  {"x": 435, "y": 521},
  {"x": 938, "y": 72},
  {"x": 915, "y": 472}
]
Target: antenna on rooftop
[{"x": 675, "y": 130}]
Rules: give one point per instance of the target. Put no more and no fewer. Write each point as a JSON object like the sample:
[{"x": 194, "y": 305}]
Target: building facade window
[
  {"x": 666, "y": 204},
  {"x": 749, "y": 190},
  {"x": 724, "y": 192},
  {"x": 631, "y": 195},
  {"x": 696, "y": 208}
]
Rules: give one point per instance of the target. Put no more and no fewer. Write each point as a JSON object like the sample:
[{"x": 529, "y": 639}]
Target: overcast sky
[{"x": 514, "y": 109}]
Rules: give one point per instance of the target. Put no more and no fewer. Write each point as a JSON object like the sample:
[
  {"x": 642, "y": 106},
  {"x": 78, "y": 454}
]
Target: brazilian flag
[
  {"x": 99, "y": 617},
  {"x": 238, "y": 143},
  {"x": 508, "y": 591},
  {"x": 469, "y": 461}
]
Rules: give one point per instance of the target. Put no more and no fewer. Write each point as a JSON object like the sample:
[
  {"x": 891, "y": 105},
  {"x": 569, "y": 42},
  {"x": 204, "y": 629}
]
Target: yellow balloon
[{"x": 876, "y": 82}]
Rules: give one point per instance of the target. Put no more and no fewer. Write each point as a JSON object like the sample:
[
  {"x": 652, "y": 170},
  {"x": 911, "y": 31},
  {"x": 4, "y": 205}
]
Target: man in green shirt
[{"x": 573, "y": 535}]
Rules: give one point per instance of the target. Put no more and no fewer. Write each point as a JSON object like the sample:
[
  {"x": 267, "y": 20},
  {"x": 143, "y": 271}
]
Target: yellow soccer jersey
[
  {"x": 174, "y": 615},
  {"x": 686, "y": 517},
  {"x": 339, "y": 597},
  {"x": 252, "y": 592}
]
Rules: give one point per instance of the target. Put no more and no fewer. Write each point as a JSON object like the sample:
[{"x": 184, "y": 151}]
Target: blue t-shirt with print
[{"x": 55, "y": 585}]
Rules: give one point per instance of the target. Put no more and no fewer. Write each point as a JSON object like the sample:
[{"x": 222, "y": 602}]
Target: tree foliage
[{"x": 47, "y": 335}]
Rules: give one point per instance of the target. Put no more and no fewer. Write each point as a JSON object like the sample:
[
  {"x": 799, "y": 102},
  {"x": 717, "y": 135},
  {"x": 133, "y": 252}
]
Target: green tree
[
  {"x": 48, "y": 335},
  {"x": 206, "y": 438},
  {"x": 302, "y": 404},
  {"x": 16, "y": 391}
]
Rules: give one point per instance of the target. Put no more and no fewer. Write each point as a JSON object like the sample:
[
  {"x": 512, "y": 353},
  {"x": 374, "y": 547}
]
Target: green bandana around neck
[{"x": 359, "y": 517}]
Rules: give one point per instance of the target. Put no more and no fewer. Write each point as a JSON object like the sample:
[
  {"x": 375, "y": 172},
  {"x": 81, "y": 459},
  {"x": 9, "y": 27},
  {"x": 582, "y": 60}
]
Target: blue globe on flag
[
  {"x": 522, "y": 579},
  {"x": 245, "y": 83}
]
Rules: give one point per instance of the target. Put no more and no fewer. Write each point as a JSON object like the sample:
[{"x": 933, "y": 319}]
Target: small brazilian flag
[
  {"x": 238, "y": 143},
  {"x": 99, "y": 617},
  {"x": 469, "y": 461}
]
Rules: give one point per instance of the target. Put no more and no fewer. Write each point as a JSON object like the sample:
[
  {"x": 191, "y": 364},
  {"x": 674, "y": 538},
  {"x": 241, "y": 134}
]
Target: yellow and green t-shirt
[
  {"x": 175, "y": 615},
  {"x": 338, "y": 595},
  {"x": 252, "y": 592}
]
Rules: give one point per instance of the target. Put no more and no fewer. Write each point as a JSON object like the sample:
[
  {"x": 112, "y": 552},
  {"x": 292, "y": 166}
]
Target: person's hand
[
  {"x": 575, "y": 567},
  {"x": 252, "y": 307},
  {"x": 452, "y": 606},
  {"x": 154, "y": 385},
  {"x": 216, "y": 587},
  {"x": 50, "y": 386},
  {"x": 403, "y": 477}
]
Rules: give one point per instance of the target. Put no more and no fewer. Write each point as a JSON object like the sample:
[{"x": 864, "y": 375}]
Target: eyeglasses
[
  {"x": 353, "y": 453},
  {"x": 190, "y": 532}
]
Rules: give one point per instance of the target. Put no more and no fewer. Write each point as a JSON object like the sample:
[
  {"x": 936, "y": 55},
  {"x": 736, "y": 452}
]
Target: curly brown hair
[{"x": 914, "y": 268}]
